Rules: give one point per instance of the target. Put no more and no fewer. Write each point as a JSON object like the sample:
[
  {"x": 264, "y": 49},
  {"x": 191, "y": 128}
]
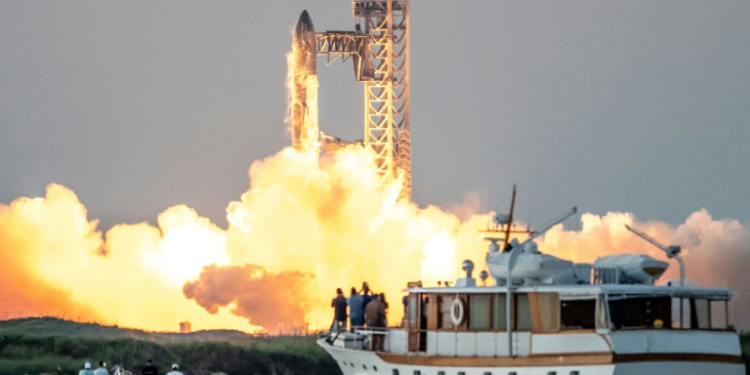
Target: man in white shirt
[
  {"x": 175, "y": 370},
  {"x": 86, "y": 370}
]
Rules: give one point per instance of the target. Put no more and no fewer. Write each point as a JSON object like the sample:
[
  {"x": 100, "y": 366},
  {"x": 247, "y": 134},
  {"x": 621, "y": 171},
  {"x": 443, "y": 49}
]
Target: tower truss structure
[
  {"x": 380, "y": 50},
  {"x": 386, "y": 67}
]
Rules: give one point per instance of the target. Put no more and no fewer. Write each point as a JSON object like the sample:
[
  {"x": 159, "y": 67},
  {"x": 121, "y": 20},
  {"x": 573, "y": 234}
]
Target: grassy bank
[{"x": 33, "y": 346}]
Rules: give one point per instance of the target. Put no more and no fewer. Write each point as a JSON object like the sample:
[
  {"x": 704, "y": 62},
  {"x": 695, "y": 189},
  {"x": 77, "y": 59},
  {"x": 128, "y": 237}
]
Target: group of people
[
  {"x": 365, "y": 310},
  {"x": 149, "y": 369},
  {"x": 101, "y": 370}
]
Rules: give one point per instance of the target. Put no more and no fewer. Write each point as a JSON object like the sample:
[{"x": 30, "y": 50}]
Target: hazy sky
[{"x": 638, "y": 106}]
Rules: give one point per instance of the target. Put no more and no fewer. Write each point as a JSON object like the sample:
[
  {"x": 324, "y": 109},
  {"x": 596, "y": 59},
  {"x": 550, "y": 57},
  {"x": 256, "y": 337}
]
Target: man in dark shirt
[
  {"x": 375, "y": 319},
  {"x": 150, "y": 369},
  {"x": 339, "y": 311}
]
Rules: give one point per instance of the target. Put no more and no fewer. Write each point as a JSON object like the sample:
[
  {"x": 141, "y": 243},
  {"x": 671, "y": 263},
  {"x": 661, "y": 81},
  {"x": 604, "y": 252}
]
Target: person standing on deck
[
  {"x": 356, "y": 309},
  {"x": 375, "y": 319},
  {"x": 339, "y": 312}
]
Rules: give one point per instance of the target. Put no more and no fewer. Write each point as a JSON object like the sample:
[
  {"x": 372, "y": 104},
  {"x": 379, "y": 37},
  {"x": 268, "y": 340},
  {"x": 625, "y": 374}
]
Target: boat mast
[{"x": 510, "y": 218}]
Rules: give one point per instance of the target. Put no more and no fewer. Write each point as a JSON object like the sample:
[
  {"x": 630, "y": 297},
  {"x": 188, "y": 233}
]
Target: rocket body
[{"x": 305, "y": 132}]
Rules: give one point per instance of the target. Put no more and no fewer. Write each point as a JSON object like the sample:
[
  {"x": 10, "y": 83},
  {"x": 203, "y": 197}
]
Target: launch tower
[{"x": 380, "y": 50}]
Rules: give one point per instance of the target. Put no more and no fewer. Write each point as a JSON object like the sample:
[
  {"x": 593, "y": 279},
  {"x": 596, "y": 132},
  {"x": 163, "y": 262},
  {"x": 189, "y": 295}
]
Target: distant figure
[
  {"x": 339, "y": 312},
  {"x": 375, "y": 318},
  {"x": 86, "y": 369},
  {"x": 102, "y": 369},
  {"x": 367, "y": 294},
  {"x": 175, "y": 370},
  {"x": 356, "y": 309},
  {"x": 150, "y": 369}
]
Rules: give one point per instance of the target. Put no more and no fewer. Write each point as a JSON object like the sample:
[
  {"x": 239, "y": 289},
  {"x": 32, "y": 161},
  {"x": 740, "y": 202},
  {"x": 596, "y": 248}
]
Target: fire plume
[{"x": 308, "y": 224}]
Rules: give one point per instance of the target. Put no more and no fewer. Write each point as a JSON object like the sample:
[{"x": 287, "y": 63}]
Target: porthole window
[
  {"x": 552, "y": 373},
  {"x": 487, "y": 373},
  {"x": 441, "y": 372},
  {"x": 375, "y": 368},
  {"x": 461, "y": 373},
  {"x": 352, "y": 364},
  {"x": 512, "y": 373},
  {"x": 575, "y": 372},
  {"x": 417, "y": 372},
  {"x": 364, "y": 367},
  {"x": 395, "y": 371},
  {"x": 344, "y": 362}
]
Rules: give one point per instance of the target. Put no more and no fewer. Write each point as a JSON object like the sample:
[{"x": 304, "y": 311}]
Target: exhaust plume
[{"x": 271, "y": 301}]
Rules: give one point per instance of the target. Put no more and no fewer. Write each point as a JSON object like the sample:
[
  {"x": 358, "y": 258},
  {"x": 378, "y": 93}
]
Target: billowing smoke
[
  {"x": 38, "y": 238},
  {"x": 716, "y": 252},
  {"x": 267, "y": 300},
  {"x": 306, "y": 226}
]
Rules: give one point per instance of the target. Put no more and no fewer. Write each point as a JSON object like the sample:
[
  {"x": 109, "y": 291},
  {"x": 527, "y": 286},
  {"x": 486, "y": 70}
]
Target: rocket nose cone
[{"x": 304, "y": 24}]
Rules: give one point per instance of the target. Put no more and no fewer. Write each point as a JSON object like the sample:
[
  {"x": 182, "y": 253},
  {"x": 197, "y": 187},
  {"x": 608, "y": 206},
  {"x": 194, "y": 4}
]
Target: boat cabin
[{"x": 558, "y": 310}]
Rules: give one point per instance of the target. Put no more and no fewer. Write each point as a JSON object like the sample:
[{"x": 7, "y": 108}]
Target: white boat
[{"x": 566, "y": 319}]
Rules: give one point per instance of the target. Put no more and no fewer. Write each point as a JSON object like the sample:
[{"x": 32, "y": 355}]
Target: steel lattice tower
[{"x": 386, "y": 79}]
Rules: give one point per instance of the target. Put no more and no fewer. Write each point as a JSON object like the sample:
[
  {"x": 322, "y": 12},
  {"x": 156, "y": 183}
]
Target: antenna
[{"x": 672, "y": 251}]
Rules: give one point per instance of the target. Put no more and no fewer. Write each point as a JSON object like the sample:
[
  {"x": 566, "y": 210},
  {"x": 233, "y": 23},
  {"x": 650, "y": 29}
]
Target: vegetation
[{"x": 33, "y": 346}]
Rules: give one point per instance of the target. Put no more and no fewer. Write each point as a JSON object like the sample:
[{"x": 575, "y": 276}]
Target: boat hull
[{"x": 362, "y": 362}]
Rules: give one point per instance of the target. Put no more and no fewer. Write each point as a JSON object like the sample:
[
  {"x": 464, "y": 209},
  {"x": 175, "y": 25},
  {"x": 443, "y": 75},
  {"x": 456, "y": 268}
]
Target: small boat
[{"x": 546, "y": 315}]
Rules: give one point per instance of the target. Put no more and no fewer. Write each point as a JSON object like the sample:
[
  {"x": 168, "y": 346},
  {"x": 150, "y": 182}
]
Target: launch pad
[{"x": 379, "y": 49}]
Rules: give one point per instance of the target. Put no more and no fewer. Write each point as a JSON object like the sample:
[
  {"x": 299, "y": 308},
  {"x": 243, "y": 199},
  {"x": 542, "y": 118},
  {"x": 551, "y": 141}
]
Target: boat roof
[{"x": 586, "y": 291}]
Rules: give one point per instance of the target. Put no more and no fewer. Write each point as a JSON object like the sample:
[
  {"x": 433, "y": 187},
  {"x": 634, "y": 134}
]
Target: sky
[{"x": 631, "y": 106}]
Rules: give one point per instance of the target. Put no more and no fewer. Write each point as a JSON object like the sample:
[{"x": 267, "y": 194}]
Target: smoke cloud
[
  {"x": 306, "y": 226},
  {"x": 267, "y": 300},
  {"x": 716, "y": 252}
]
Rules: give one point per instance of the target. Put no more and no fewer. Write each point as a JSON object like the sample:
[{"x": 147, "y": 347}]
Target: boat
[{"x": 565, "y": 318}]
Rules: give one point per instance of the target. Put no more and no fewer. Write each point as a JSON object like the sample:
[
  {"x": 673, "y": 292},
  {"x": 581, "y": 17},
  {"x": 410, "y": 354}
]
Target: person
[
  {"x": 375, "y": 319},
  {"x": 86, "y": 369},
  {"x": 356, "y": 309},
  {"x": 175, "y": 370},
  {"x": 339, "y": 311},
  {"x": 367, "y": 294},
  {"x": 102, "y": 369},
  {"x": 150, "y": 369}
]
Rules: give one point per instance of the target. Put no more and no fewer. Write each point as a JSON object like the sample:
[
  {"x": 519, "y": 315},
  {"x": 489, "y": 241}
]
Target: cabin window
[
  {"x": 640, "y": 312},
  {"x": 444, "y": 318},
  {"x": 479, "y": 312},
  {"x": 578, "y": 314},
  {"x": 719, "y": 315},
  {"x": 523, "y": 313},
  {"x": 499, "y": 318},
  {"x": 702, "y": 314},
  {"x": 549, "y": 311}
]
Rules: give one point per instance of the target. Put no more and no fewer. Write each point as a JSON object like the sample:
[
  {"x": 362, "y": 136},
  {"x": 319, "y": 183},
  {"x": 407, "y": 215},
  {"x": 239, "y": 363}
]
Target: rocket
[{"x": 304, "y": 86}]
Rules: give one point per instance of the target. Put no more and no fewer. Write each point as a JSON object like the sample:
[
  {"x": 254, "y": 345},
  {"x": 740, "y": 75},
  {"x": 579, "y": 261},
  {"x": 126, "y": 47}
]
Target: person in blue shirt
[{"x": 356, "y": 309}]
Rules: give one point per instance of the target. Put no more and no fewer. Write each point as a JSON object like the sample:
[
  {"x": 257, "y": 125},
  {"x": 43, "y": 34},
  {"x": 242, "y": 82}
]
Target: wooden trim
[
  {"x": 676, "y": 357},
  {"x": 566, "y": 359},
  {"x": 537, "y": 360},
  {"x": 433, "y": 306},
  {"x": 536, "y": 318}
]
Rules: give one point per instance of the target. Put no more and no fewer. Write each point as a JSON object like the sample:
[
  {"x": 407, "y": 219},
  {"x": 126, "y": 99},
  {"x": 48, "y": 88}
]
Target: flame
[{"x": 308, "y": 224}]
